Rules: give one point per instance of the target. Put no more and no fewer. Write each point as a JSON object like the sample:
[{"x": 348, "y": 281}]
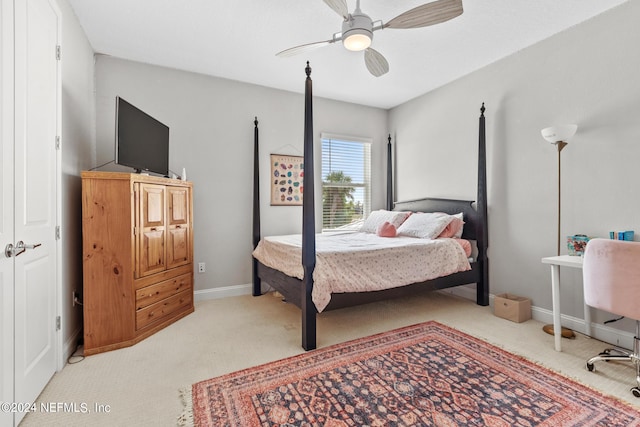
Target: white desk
[{"x": 556, "y": 262}]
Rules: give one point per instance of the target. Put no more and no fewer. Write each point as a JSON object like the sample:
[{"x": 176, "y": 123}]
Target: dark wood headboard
[{"x": 449, "y": 206}]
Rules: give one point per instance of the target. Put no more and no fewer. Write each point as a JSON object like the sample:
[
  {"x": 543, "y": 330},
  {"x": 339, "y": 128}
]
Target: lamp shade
[{"x": 555, "y": 134}]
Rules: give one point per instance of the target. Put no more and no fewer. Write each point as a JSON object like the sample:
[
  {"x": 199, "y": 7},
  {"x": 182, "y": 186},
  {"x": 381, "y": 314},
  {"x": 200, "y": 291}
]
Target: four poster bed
[{"x": 297, "y": 287}]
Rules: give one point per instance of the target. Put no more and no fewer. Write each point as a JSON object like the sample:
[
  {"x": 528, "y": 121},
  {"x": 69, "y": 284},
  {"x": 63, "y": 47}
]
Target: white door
[
  {"x": 35, "y": 170},
  {"x": 6, "y": 207}
]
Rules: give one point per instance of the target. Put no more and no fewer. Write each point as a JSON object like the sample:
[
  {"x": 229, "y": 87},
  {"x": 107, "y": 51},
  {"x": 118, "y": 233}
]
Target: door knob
[
  {"x": 20, "y": 247},
  {"x": 8, "y": 250},
  {"x": 21, "y": 244}
]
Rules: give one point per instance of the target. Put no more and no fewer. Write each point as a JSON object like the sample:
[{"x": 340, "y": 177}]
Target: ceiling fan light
[
  {"x": 357, "y": 40},
  {"x": 357, "y": 31}
]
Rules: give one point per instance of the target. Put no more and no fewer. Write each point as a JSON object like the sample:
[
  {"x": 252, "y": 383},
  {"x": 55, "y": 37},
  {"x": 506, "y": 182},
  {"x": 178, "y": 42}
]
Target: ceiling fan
[{"x": 357, "y": 29}]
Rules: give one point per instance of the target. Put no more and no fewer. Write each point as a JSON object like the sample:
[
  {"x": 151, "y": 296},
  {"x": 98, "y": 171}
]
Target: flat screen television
[{"x": 142, "y": 142}]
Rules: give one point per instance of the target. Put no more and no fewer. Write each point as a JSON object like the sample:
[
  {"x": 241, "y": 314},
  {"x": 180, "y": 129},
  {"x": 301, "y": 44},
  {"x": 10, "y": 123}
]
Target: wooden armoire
[{"x": 137, "y": 240}]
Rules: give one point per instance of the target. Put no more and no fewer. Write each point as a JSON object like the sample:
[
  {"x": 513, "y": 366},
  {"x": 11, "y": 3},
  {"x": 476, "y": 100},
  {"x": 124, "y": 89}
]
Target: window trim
[{"x": 367, "y": 203}]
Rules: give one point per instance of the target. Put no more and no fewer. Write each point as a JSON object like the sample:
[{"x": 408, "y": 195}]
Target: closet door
[
  {"x": 6, "y": 207},
  {"x": 29, "y": 276},
  {"x": 37, "y": 124}
]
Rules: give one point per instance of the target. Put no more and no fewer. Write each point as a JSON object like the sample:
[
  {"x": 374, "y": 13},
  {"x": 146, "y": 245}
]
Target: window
[{"x": 346, "y": 181}]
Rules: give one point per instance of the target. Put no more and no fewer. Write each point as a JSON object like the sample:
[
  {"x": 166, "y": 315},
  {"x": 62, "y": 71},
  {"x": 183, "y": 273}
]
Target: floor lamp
[{"x": 558, "y": 136}]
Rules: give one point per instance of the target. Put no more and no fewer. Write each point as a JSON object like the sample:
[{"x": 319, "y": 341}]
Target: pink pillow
[
  {"x": 466, "y": 245},
  {"x": 386, "y": 229},
  {"x": 451, "y": 230}
]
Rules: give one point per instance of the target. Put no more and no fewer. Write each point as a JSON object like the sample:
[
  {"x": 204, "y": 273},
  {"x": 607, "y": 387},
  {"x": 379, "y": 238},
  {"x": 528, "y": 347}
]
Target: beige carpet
[{"x": 141, "y": 384}]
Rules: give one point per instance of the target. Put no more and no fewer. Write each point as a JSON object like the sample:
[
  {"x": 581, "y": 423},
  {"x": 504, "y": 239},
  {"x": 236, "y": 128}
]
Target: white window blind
[{"x": 346, "y": 181}]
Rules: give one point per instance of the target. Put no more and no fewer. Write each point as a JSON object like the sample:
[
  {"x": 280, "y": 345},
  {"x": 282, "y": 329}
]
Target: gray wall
[
  {"x": 78, "y": 153},
  {"x": 211, "y": 135},
  {"x": 587, "y": 75}
]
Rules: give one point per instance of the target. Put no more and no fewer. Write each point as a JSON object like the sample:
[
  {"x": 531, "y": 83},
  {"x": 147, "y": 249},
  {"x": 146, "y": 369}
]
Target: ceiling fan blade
[
  {"x": 375, "y": 62},
  {"x": 303, "y": 48},
  {"x": 339, "y": 6},
  {"x": 427, "y": 14}
]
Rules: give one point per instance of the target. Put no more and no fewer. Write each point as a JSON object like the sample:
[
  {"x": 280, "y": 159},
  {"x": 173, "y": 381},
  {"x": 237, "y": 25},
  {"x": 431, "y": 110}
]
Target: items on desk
[
  {"x": 621, "y": 235},
  {"x": 577, "y": 243}
]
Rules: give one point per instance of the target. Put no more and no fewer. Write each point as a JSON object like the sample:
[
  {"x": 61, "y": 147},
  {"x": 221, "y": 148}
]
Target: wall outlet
[{"x": 201, "y": 267}]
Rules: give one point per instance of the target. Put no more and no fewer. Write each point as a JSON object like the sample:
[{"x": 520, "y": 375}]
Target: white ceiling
[{"x": 238, "y": 39}]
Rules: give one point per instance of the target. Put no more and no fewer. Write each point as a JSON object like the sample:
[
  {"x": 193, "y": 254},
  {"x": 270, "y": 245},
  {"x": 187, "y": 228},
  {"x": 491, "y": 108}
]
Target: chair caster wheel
[
  {"x": 636, "y": 391},
  {"x": 590, "y": 367},
  {"x": 605, "y": 353}
]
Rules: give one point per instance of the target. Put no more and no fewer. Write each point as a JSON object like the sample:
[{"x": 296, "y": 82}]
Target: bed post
[
  {"x": 308, "y": 222},
  {"x": 257, "y": 288},
  {"x": 389, "y": 177},
  {"x": 482, "y": 289}
]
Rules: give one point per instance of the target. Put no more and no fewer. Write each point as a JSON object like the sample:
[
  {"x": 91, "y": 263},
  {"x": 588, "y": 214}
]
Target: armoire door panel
[
  {"x": 152, "y": 200},
  {"x": 151, "y": 247},
  {"x": 178, "y": 247},
  {"x": 152, "y": 253},
  {"x": 178, "y": 205}
]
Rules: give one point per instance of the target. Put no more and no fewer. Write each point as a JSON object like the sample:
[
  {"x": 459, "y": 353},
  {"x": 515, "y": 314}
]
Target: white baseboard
[
  {"x": 600, "y": 332},
  {"x": 465, "y": 291},
  {"x": 71, "y": 345},
  {"x": 223, "y": 292},
  {"x": 615, "y": 337},
  {"x": 603, "y": 333}
]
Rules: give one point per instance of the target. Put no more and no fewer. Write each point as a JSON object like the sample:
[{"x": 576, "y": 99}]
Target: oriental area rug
[{"x": 422, "y": 375}]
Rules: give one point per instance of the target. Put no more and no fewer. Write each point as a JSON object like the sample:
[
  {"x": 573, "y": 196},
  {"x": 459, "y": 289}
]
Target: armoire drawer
[
  {"x": 164, "y": 309},
  {"x": 154, "y": 293}
]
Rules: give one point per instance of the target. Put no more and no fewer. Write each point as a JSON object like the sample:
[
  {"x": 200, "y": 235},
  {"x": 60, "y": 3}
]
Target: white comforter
[{"x": 361, "y": 262}]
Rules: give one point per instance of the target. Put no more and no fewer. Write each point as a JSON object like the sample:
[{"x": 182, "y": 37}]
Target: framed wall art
[{"x": 287, "y": 175}]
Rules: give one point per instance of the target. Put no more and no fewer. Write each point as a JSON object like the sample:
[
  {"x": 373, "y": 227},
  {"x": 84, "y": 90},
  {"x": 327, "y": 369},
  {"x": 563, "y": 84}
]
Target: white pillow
[
  {"x": 424, "y": 225},
  {"x": 461, "y": 229},
  {"x": 377, "y": 218}
]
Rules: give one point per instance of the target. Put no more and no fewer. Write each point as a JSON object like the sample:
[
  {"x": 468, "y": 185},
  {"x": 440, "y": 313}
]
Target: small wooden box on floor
[
  {"x": 137, "y": 248},
  {"x": 512, "y": 307}
]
